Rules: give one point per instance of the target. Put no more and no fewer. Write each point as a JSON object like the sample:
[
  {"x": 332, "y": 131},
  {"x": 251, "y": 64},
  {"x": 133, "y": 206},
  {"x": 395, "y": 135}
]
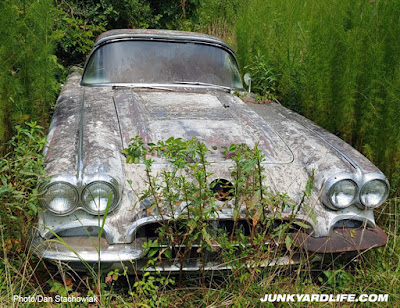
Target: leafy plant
[
  {"x": 82, "y": 21},
  {"x": 264, "y": 78},
  {"x": 75, "y": 37},
  {"x": 147, "y": 289},
  {"x": 20, "y": 172},
  {"x": 337, "y": 279},
  {"x": 187, "y": 206},
  {"x": 59, "y": 288}
]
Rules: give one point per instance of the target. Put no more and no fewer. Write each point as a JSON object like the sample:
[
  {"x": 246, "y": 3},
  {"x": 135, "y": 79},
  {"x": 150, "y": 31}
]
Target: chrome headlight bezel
[
  {"x": 351, "y": 196},
  {"x": 86, "y": 189},
  {"x": 330, "y": 185},
  {"x": 360, "y": 180},
  {"x": 79, "y": 186},
  {"x": 382, "y": 199},
  {"x": 45, "y": 188}
]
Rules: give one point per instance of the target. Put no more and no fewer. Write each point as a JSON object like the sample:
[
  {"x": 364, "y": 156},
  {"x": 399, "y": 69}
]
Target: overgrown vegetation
[
  {"x": 41, "y": 39},
  {"x": 189, "y": 232},
  {"x": 20, "y": 170},
  {"x": 27, "y": 64},
  {"x": 188, "y": 206},
  {"x": 336, "y": 64}
]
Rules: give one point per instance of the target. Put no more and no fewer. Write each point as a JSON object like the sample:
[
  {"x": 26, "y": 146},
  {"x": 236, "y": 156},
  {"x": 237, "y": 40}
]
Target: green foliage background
[
  {"x": 336, "y": 63},
  {"x": 27, "y": 65}
]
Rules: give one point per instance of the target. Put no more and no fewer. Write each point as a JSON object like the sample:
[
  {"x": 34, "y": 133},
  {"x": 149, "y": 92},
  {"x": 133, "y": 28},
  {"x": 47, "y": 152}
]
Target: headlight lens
[
  {"x": 342, "y": 193},
  {"x": 96, "y": 196},
  {"x": 374, "y": 193},
  {"x": 60, "y": 198}
]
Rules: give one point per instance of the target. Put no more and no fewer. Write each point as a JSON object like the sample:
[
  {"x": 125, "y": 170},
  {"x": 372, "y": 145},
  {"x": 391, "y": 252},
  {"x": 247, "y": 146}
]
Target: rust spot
[{"x": 342, "y": 240}]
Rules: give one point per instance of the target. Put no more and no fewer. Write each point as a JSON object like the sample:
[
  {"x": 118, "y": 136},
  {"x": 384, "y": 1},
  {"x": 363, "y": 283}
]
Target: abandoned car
[{"x": 158, "y": 84}]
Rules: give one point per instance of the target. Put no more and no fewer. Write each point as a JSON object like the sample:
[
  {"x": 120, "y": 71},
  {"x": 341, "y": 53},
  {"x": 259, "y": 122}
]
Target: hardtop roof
[{"x": 159, "y": 34}]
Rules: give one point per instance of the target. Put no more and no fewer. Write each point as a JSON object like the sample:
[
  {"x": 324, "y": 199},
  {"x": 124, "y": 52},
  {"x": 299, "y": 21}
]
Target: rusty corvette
[{"x": 158, "y": 84}]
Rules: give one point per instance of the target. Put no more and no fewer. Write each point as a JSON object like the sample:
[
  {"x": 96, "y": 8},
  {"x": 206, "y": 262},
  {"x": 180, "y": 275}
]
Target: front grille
[
  {"x": 215, "y": 227},
  {"x": 348, "y": 223}
]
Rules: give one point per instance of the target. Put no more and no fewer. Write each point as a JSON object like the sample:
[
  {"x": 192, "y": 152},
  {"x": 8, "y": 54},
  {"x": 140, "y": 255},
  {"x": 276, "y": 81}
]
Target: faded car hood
[{"x": 215, "y": 119}]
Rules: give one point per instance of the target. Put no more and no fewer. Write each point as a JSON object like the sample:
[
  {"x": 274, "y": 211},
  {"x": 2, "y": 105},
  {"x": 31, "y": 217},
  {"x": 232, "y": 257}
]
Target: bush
[
  {"x": 20, "y": 170},
  {"x": 82, "y": 21}
]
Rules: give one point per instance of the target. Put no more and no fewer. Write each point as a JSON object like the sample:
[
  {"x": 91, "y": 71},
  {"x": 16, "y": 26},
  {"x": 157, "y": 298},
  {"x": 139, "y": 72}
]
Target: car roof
[{"x": 168, "y": 35}]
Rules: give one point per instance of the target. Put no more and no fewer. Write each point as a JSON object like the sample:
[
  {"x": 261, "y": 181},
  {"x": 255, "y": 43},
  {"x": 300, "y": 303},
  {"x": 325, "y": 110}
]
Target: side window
[{"x": 231, "y": 67}]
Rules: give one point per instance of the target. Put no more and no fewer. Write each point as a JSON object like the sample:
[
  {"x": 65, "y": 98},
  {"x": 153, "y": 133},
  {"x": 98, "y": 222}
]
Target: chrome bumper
[{"x": 92, "y": 250}]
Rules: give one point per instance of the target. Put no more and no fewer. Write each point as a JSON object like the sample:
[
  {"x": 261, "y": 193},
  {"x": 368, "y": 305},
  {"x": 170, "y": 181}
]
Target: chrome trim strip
[
  {"x": 213, "y": 266},
  {"x": 118, "y": 253},
  {"x": 162, "y": 37},
  {"x": 345, "y": 156},
  {"x": 86, "y": 249},
  {"x": 79, "y": 223},
  {"x": 158, "y": 86},
  {"x": 119, "y": 124},
  {"x": 80, "y": 141}
]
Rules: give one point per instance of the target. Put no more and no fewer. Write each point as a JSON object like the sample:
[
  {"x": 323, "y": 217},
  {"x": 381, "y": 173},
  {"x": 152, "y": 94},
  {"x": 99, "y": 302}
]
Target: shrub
[
  {"x": 20, "y": 170},
  {"x": 185, "y": 204}
]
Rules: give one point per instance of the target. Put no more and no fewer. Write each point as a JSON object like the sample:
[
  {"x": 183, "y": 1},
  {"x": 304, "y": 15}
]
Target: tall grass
[
  {"x": 27, "y": 64},
  {"x": 337, "y": 63}
]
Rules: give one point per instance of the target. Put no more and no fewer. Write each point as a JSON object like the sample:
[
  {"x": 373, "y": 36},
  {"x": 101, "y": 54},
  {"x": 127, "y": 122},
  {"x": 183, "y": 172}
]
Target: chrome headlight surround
[
  {"x": 78, "y": 188},
  {"x": 368, "y": 181},
  {"x": 96, "y": 193},
  {"x": 360, "y": 181},
  {"x": 96, "y": 196},
  {"x": 332, "y": 188},
  {"x": 67, "y": 192}
]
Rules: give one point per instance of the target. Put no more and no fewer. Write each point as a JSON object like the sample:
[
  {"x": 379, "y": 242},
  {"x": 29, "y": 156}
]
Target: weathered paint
[
  {"x": 292, "y": 150},
  {"x": 62, "y": 151},
  {"x": 158, "y": 116}
]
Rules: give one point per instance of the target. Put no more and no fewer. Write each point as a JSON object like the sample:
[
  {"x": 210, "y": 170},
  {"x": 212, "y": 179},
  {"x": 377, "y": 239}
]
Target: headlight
[
  {"x": 374, "y": 193},
  {"x": 60, "y": 198},
  {"x": 342, "y": 193},
  {"x": 96, "y": 196}
]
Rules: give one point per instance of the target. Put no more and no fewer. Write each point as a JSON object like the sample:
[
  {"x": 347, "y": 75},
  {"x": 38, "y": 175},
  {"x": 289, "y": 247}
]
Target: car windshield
[{"x": 159, "y": 62}]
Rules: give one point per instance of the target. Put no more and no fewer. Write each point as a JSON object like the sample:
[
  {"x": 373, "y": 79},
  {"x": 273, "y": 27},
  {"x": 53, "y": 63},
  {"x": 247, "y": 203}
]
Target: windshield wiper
[
  {"x": 116, "y": 87},
  {"x": 197, "y": 83}
]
